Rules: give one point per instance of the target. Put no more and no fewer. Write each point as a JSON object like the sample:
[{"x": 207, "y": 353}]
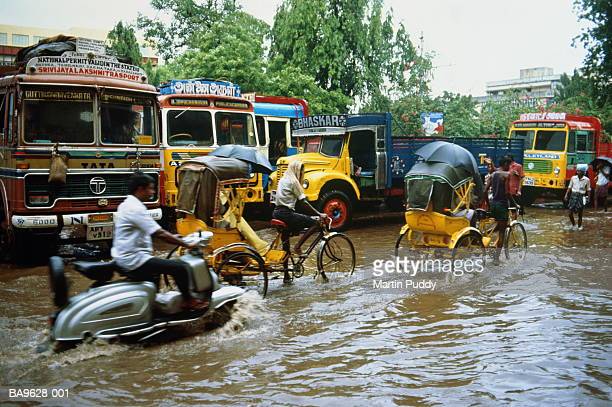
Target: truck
[
  {"x": 554, "y": 144},
  {"x": 354, "y": 159},
  {"x": 97, "y": 119}
]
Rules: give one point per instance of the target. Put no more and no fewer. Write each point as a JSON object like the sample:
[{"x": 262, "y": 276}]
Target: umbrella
[
  {"x": 604, "y": 160},
  {"x": 453, "y": 155},
  {"x": 259, "y": 163}
]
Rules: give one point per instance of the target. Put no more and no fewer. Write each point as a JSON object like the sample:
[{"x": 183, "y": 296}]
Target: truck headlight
[
  {"x": 305, "y": 184},
  {"x": 557, "y": 170}
]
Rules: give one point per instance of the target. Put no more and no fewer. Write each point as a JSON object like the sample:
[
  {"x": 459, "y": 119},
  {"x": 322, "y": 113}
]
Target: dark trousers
[
  {"x": 154, "y": 268},
  {"x": 294, "y": 220}
]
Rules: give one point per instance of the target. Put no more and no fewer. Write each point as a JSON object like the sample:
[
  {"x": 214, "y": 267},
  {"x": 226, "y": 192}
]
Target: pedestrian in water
[
  {"x": 576, "y": 195},
  {"x": 601, "y": 187},
  {"x": 498, "y": 183},
  {"x": 515, "y": 179}
]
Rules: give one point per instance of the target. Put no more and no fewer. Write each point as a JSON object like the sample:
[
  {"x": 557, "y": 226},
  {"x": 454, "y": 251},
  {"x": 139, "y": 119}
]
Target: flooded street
[{"x": 539, "y": 333}]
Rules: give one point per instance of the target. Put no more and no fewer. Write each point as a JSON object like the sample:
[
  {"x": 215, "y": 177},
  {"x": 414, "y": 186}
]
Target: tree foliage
[
  {"x": 188, "y": 20},
  {"x": 230, "y": 49},
  {"x": 597, "y": 40},
  {"x": 121, "y": 41},
  {"x": 348, "y": 46}
]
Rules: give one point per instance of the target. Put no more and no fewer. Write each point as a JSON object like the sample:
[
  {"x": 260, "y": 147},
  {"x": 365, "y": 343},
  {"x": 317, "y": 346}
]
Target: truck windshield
[
  {"x": 128, "y": 119},
  {"x": 235, "y": 128},
  {"x": 526, "y": 134},
  {"x": 330, "y": 146},
  {"x": 58, "y": 116},
  {"x": 550, "y": 140},
  {"x": 189, "y": 127}
]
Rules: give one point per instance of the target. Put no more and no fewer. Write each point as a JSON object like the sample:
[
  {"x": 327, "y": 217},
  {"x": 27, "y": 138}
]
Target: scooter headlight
[{"x": 305, "y": 184}]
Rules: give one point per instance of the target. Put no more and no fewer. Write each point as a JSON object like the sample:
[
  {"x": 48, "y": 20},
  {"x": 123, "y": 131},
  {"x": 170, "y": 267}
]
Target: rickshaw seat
[{"x": 277, "y": 223}]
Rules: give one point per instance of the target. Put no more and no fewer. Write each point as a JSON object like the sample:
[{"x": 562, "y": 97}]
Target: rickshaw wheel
[
  {"x": 402, "y": 250},
  {"x": 515, "y": 242},
  {"x": 468, "y": 247},
  {"x": 249, "y": 267}
]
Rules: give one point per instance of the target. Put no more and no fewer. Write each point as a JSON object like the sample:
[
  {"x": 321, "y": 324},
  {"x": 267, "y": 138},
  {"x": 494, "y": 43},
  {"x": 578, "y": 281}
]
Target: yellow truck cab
[{"x": 345, "y": 161}]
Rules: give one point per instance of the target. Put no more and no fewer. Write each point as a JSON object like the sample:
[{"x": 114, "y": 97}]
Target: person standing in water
[
  {"x": 576, "y": 194},
  {"x": 601, "y": 188},
  {"x": 498, "y": 183}
]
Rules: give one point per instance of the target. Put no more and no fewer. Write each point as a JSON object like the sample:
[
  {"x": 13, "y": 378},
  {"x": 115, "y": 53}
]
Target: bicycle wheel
[
  {"x": 246, "y": 270},
  {"x": 515, "y": 242},
  {"x": 336, "y": 257}
]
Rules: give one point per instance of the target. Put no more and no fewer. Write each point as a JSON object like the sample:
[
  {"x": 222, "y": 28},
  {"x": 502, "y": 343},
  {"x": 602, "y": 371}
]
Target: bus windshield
[
  {"x": 58, "y": 116},
  {"x": 526, "y": 134},
  {"x": 128, "y": 119},
  {"x": 190, "y": 127},
  {"x": 550, "y": 140},
  {"x": 235, "y": 128}
]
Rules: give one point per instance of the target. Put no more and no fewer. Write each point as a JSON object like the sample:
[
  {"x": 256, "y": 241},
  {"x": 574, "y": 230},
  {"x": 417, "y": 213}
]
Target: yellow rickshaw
[
  {"x": 442, "y": 189},
  {"x": 210, "y": 198}
]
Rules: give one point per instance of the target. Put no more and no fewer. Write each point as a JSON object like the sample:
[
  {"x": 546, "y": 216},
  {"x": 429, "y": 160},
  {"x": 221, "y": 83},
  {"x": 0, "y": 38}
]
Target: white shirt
[
  {"x": 602, "y": 180},
  {"x": 288, "y": 193},
  {"x": 132, "y": 243},
  {"x": 578, "y": 185}
]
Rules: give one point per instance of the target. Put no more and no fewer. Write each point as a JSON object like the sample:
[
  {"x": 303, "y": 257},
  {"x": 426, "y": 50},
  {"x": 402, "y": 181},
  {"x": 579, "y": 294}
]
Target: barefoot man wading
[{"x": 577, "y": 191}]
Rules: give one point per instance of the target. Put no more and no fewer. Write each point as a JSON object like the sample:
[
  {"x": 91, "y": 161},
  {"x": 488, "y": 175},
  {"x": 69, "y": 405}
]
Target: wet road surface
[{"x": 539, "y": 333}]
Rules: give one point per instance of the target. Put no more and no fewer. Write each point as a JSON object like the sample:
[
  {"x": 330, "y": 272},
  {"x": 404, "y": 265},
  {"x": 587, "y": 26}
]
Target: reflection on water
[{"x": 535, "y": 334}]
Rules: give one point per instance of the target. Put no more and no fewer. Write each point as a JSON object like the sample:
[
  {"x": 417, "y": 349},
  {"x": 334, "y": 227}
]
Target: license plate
[
  {"x": 273, "y": 197},
  {"x": 529, "y": 181},
  {"x": 100, "y": 218},
  {"x": 100, "y": 232}
]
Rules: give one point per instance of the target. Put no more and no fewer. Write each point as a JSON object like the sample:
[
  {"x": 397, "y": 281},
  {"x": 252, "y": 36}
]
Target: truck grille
[
  {"x": 81, "y": 186},
  {"x": 537, "y": 166}
]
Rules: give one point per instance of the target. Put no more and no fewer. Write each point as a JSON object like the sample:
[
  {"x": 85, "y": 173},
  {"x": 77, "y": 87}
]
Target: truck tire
[{"x": 337, "y": 205}]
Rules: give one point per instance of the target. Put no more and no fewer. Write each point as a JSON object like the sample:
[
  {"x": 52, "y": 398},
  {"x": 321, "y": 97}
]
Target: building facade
[
  {"x": 13, "y": 38},
  {"x": 536, "y": 86}
]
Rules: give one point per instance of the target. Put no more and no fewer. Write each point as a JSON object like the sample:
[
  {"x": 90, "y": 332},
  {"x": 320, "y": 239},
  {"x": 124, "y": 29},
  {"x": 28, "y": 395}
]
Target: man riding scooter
[{"x": 132, "y": 247}]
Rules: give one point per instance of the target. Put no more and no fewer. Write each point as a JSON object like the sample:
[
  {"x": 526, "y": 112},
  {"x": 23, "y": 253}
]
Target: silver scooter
[{"x": 131, "y": 311}]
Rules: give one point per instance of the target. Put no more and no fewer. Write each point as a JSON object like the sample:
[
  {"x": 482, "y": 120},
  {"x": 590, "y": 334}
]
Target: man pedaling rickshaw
[{"x": 288, "y": 193}]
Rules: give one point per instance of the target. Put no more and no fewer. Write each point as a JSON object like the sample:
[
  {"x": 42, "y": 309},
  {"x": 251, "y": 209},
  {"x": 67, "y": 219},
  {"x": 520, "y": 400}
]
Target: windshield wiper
[{"x": 181, "y": 112}]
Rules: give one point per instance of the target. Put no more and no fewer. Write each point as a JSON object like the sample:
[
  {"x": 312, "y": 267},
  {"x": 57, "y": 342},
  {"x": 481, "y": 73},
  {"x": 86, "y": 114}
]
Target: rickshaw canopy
[
  {"x": 455, "y": 156},
  {"x": 199, "y": 181},
  {"x": 427, "y": 180}
]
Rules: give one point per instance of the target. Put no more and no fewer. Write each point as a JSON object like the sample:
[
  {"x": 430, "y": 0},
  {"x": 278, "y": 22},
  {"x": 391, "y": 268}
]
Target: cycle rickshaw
[
  {"x": 211, "y": 191},
  {"x": 442, "y": 189}
]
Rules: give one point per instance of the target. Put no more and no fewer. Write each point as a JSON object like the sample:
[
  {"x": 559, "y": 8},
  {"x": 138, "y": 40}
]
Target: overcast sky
[{"x": 474, "y": 41}]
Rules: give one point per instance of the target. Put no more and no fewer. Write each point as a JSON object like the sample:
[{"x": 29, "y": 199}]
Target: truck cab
[{"x": 345, "y": 159}]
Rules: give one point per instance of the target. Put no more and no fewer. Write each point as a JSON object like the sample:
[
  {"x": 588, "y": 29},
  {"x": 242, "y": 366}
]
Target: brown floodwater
[{"x": 535, "y": 333}]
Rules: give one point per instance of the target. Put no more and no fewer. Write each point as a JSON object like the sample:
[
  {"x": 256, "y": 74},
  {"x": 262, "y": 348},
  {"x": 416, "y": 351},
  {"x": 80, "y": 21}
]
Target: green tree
[
  {"x": 497, "y": 115},
  {"x": 345, "y": 45},
  {"x": 230, "y": 49},
  {"x": 121, "y": 41},
  {"x": 577, "y": 95},
  {"x": 189, "y": 19},
  {"x": 597, "y": 40},
  {"x": 291, "y": 81}
]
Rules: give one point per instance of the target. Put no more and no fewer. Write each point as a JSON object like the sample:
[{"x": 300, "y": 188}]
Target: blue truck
[{"x": 353, "y": 159}]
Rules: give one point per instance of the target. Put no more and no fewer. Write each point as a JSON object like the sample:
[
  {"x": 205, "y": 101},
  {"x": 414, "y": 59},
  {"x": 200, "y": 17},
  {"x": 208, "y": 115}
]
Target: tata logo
[
  {"x": 97, "y": 185},
  {"x": 530, "y": 166}
]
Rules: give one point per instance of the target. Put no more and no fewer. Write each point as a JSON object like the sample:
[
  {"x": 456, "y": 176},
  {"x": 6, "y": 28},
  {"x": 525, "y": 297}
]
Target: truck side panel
[{"x": 403, "y": 149}]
